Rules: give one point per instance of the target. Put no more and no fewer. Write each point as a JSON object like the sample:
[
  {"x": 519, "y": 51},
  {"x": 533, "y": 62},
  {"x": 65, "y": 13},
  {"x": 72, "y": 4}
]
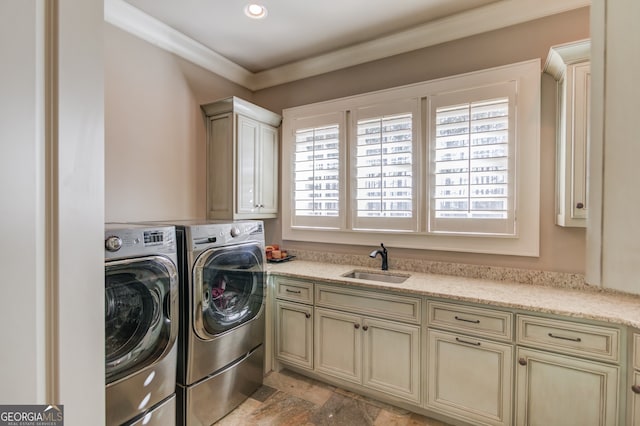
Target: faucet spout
[{"x": 383, "y": 254}]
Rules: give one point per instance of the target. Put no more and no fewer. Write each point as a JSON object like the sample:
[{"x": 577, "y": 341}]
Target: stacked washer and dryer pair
[{"x": 184, "y": 313}]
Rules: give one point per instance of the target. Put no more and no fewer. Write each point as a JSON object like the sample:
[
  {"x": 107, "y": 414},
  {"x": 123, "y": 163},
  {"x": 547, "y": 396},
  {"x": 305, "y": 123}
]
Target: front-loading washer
[
  {"x": 222, "y": 324},
  {"x": 141, "y": 324}
]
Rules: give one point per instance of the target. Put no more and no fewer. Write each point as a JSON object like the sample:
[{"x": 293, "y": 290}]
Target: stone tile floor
[{"x": 290, "y": 399}]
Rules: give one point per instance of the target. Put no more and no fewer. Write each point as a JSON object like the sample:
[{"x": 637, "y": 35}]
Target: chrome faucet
[{"x": 383, "y": 253}]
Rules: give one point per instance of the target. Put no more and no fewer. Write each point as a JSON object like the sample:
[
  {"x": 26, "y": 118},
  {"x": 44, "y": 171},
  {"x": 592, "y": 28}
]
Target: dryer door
[
  {"x": 140, "y": 298},
  {"x": 228, "y": 288}
]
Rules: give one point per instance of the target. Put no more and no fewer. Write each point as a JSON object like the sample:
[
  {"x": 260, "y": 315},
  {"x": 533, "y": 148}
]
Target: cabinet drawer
[
  {"x": 377, "y": 304},
  {"x": 468, "y": 319},
  {"x": 294, "y": 290},
  {"x": 636, "y": 351},
  {"x": 570, "y": 337}
]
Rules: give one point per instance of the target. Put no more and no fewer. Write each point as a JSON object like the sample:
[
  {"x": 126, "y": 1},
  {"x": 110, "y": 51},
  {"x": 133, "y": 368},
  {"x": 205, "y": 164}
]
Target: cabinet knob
[
  {"x": 580, "y": 206},
  {"x": 365, "y": 327},
  {"x": 522, "y": 361},
  {"x": 307, "y": 315},
  {"x": 356, "y": 326},
  {"x": 635, "y": 388}
]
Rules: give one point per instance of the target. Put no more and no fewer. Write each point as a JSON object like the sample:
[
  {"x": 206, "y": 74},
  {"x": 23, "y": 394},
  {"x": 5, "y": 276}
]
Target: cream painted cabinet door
[
  {"x": 294, "y": 333},
  {"x": 381, "y": 355},
  {"x": 392, "y": 358},
  {"x": 569, "y": 64},
  {"x": 561, "y": 390},
  {"x": 635, "y": 400},
  {"x": 267, "y": 170},
  {"x": 338, "y": 345},
  {"x": 470, "y": 378},
  {"x": 257, "y": 178}
]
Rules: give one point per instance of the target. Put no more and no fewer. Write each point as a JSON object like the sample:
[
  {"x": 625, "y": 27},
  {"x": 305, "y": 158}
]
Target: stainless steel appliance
[
  {"x": 141, "y": 324},
  {"x": 221, "y": 339}
]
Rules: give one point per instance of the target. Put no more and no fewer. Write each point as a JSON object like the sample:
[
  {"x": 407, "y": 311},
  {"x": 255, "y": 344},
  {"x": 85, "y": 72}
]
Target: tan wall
[
  {"x": 560, "y": 249},
  {"x": 154, "y": 130}
]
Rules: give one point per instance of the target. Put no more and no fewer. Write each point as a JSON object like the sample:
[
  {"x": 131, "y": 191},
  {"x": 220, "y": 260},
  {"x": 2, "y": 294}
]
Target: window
[
  {"x": 473, "y": 161},
  {"x": 383, "y": 166},
  {"x": 449, "y": 164},
  {"x": 317, "y": 171}
]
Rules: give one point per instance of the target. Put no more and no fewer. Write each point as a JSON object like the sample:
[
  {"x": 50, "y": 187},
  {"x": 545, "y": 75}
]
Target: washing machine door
[
  {"x": 228, "y": 288},
  {"x": 140, "y": 303}
]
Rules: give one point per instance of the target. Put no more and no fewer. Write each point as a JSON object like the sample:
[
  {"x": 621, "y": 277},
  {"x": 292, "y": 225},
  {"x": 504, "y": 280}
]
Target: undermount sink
[{"x": 385, "y": 277}]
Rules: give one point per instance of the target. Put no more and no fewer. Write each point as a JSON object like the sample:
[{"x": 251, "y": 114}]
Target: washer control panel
[{"x": 220, "y": 234}]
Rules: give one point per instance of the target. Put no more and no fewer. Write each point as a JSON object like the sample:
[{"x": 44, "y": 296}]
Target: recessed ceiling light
[{"x": 255, "y": 11}]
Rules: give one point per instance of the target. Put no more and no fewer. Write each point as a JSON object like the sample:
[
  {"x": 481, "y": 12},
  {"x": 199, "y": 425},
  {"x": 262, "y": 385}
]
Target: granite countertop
[{"x": 593, "y": 304}]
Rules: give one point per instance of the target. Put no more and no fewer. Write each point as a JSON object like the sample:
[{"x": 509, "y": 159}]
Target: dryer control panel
[{"x": 133, "y": 241}]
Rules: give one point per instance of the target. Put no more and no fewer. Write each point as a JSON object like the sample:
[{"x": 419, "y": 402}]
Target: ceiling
[
  {"x": 300, "y": 38},
  {"x": 294, "y": 29}
]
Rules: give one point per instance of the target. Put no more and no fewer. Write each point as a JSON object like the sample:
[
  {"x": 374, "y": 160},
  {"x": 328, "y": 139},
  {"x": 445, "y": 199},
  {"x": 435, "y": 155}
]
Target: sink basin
[{"x": 385, "y": 277}]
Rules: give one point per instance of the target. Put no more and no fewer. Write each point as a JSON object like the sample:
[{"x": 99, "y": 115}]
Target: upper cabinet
[
  {"x": 569, "y": 64},
  {"x": 242, "y": 160}
]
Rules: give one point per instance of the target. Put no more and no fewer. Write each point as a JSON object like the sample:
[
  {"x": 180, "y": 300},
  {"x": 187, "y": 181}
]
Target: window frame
[{"x": 525, "y": 240}]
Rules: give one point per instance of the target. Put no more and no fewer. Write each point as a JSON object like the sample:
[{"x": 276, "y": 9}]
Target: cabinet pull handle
[
  {"x": 467, "y": 342},
  {"x": 307, "y": 315},
  {"x": 293, "y": 291},
  {"x": 635, "y": 388},
  {"x": 522, "y": 361},
  {"x": 467, "y": 320},
  {"x": 365, "y": 327},
  {"x": 573, "y": 339},
  {"x": 356, "y": 326}
]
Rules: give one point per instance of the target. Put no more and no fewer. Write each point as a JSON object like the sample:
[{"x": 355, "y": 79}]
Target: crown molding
[
  {"x": 132, "y": 20},
  {"x": 487, "y": 18},
  {"x": 566, "y": 54}
]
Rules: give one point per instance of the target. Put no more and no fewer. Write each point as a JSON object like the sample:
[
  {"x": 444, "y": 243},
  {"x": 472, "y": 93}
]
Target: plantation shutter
[
  {"x": 317, "y": 173},
  {"x": 473, "y": 161},
  {"x": 384, "y": 166}
]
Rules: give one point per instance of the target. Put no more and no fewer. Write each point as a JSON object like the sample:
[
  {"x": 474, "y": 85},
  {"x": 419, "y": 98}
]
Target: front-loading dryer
[{"x": 141, "y": 324}]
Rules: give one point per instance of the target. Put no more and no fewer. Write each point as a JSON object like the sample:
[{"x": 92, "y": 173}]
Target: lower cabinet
[
  {"x": 470, "y": 378},
  {"x": 634, "y": 379},
  {"x": 635, "y": 399},
  {"x": 294, "y": 333},
  {"x": 379, "y": 354},
  {"x": 484, "y": 366},
  {"x": 568, "y": 372},
  {"x": 556, "y": 389}
]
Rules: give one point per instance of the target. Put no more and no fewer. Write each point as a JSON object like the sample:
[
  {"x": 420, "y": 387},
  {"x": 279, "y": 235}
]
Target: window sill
[{"x": 525, "y": 244}]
